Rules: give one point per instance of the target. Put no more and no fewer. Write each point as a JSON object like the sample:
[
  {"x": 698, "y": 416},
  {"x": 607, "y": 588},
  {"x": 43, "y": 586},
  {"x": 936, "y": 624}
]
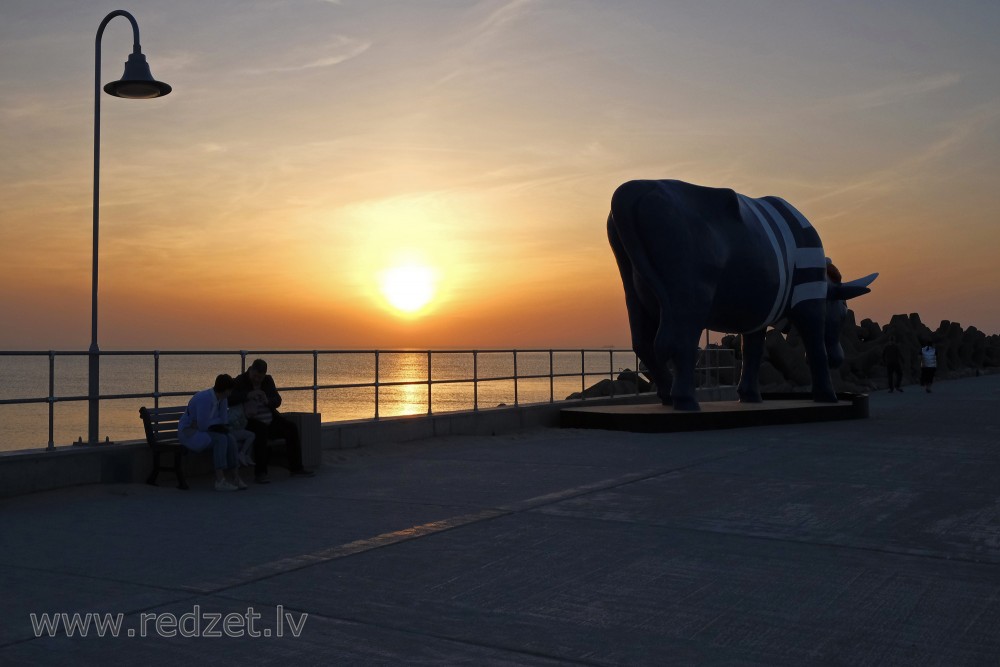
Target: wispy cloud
[
  {"x": 486, "y": 31},
  {"x": 890, "y": 94},
  {"x": 37, "y": 108},
  {"x": 340, "y": 49},
  {"x": 176, "y": 61},
  {"x": 503, "y": 15},
  {"x": 956, "y": 135}
]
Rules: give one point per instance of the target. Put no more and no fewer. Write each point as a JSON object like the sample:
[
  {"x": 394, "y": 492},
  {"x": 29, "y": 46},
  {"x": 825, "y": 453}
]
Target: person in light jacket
[
  {"x": 205, "y": 424},
  {"x": 928, "y": 365}
]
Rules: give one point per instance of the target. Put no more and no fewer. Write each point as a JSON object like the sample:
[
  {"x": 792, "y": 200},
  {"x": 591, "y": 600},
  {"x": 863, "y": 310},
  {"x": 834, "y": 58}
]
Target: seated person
[
  {"x": 205, "y": 424},
  {"x": 244, "y": 438},
  {"x": 257, "y": 388}
]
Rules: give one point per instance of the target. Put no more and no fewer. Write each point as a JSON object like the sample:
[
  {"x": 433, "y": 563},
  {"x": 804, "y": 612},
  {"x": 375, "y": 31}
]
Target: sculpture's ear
[{"x": 851, "y": 289}]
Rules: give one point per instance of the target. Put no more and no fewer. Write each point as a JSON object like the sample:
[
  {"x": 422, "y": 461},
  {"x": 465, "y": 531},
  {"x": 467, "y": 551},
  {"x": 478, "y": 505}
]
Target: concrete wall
[{"x": 28, "y": 471}]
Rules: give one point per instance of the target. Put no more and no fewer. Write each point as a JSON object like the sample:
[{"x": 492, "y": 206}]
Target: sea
[{"x": 403, "y": 390}]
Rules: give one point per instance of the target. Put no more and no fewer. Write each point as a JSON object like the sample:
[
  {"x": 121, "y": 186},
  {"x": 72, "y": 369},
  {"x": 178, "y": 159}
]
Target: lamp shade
[{"x": 137, "y": 82}]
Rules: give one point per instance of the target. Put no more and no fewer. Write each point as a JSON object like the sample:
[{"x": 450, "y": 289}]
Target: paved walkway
[{"x": 859, "y": 542}]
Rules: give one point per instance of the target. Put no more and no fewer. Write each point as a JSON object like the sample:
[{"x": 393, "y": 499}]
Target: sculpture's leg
[
  {"x": 657, "y": 366},
  {"x": 834, "y": 351},
  {"x": 810, "y": 319},
  {"x": 644, "y": 332},
  {"x": 643, "y": 322},
  {"x": 685, "y": 355},
  {"x": 753, "y": 353}
]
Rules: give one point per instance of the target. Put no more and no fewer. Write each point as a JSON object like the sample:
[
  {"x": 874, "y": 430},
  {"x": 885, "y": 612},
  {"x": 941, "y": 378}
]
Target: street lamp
[{"x": 136, "y": 83}]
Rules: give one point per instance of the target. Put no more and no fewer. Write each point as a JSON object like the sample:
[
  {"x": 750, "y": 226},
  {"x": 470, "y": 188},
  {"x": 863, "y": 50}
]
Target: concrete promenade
[{"x": 860, "y": 542}]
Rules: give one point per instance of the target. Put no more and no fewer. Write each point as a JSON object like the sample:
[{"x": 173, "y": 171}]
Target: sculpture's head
[{"x": 837, "y": 294}]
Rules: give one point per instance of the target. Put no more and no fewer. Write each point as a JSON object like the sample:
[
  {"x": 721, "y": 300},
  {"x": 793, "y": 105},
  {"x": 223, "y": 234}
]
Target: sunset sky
[{"x": 313, "y": 152}]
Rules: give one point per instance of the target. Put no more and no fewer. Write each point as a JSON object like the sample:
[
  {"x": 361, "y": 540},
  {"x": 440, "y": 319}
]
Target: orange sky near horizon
[{"x": 482, "y": 139}]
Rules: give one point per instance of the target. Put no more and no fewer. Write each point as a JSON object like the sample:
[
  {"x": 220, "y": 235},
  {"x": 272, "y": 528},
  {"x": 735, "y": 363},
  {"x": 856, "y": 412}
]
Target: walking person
[
  {"x": 205, "y": 424},
  {"x": 256, "y": 391},
  {"x": 928, "y": 365},
  {"x": 892, "y": 357}
]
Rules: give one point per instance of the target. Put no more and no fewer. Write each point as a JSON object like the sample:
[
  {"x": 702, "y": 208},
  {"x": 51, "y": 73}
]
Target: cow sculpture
[{"x": 693, "y": 258}]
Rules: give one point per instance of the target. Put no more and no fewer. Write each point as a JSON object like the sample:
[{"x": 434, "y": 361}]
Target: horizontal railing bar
[
  {"x": 322, "y": 387},
  {"x": 20, "y": 401},
  {"x": 584, "y": 365},
  {"x": 106, "y": 353}
]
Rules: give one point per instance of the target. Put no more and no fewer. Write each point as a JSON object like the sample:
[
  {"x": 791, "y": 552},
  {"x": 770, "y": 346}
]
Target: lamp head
[{"x": 137, "y": 82}]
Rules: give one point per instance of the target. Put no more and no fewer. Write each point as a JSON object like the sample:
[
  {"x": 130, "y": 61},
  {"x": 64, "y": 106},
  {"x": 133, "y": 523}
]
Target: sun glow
[{"x": 408, "y": 288}]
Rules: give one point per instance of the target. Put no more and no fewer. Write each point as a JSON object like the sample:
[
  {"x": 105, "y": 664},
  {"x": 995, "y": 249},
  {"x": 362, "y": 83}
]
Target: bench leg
[
  {"x": 156, "y": 470},
  {"x": 179, "y": 470}
]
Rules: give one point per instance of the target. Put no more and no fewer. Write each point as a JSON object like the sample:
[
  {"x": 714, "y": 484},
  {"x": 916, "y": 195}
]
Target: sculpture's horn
[
  {"x": 849, "y": 290},
  {"x": 862, "y": 282}
]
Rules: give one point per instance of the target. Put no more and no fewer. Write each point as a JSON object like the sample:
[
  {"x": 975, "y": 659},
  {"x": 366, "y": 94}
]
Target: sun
[{"x": 408, "y": 288}]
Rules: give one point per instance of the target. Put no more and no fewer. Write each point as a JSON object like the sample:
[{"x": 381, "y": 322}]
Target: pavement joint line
[
  {"x": 276, "y": 568},
  {"x": 410, "y": 502},
  {"x": 84, "y": 575},
  {"x": 293, "y": 563},
  {"x": 423, "y": 633},
  {"x": 787, "y": 540},
  {"x": 623, "y": 480}
]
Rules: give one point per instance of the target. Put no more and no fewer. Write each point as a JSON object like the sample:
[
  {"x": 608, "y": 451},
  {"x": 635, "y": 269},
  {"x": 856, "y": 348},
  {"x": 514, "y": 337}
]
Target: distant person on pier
[
  {"x": 928, "y": 365},
  {"x": 256, "y": 392},
  {"x": 892, "y": 357},
  {"x": 205, "y": 424}
]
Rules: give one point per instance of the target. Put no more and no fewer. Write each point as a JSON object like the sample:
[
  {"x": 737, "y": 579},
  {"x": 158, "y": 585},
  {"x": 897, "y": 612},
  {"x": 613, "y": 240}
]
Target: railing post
[
  {"x": 315, "y": 381},
  {"x": 583, "y": 372},
  {"x": 475, "y": 381},
  {"x": 376, "y": 385},
  {"x": 93, "y": 386},
  {"x": 552, "y": 379},
  {"x": 636, "y": 374},
  {"x": 515, "y": 378},
  {"x": 429, "y": 353},
  {"x": 611, "y": 370},
  {"x": 156, "y": 379},
  {"x": 243, "y": 361},
  {"x": 52, "y": 399}
]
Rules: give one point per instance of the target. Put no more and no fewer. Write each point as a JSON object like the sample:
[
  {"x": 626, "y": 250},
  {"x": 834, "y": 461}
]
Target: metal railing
[{"x": 715, "y": 368}]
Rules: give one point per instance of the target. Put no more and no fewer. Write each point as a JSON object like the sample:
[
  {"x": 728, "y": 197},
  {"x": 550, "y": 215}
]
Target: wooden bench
[{"x": 160, "y": 425}]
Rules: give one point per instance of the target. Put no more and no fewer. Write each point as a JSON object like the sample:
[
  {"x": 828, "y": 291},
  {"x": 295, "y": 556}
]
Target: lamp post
[{"x": 136, "y": 83}]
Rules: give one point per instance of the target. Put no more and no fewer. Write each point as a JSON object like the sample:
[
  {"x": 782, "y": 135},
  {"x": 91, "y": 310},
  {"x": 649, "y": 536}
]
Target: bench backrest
[{"x": 161, "y": 423}]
